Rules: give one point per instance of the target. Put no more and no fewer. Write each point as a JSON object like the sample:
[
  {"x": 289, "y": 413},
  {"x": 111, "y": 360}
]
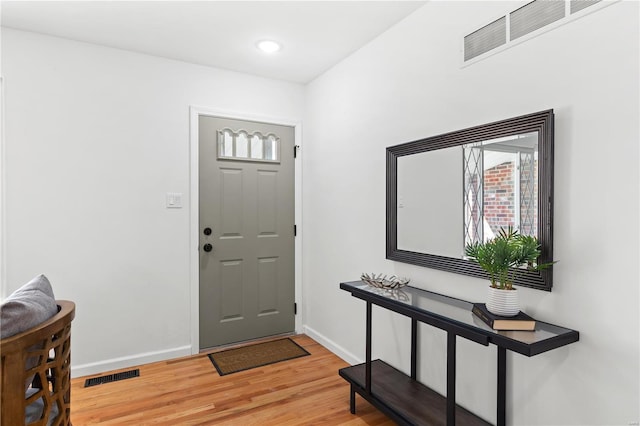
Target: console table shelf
[
  {"x": 401, "y": 396},
  {"x": 405, "y": 400}
]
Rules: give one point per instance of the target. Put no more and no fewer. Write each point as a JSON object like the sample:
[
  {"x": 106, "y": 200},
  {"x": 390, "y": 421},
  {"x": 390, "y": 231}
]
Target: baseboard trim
[
  {"x": 128, "y": 361},
  {"x": 149, "y": 357},
  {"x": 332, "y": 346}
]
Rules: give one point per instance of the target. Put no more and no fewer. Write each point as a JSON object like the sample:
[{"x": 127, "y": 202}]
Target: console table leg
[
  {"x": 414, "y": 350},
  {"x": 367, "y": 369},
  {"x": 502, "y": 387},
  {"x": 352, "y": 400},
  {"x": 451, "y": 379}
]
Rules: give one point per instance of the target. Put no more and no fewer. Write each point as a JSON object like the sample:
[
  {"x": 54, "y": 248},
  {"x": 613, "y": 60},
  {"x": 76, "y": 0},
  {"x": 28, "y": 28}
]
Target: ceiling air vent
[
  {"x": 578, "y": 5},
  {"x": 529, "y": 21},
  {"x": 534, "y": 15},
  {"x": 486, "y": 38}
]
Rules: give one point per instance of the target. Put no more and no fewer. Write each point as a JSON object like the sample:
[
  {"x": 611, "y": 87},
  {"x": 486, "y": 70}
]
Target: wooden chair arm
[{"x": 37, "y": 343}]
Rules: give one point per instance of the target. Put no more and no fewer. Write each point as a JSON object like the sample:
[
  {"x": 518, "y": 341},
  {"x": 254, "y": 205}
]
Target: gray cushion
[
  {"x": 33, "y": 412},
  {"x": 28, "y": 306},
  {"x": 25, "y": 308}
]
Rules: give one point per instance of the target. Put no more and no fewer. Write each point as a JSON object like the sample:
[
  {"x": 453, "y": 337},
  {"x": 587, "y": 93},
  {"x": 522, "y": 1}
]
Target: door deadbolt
[
  {"x": 207, "y": 231},
  {"x": 208, "y": 247}
]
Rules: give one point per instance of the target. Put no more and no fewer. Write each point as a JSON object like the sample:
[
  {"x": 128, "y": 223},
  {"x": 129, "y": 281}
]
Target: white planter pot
[{"x": 503, "y": 302}]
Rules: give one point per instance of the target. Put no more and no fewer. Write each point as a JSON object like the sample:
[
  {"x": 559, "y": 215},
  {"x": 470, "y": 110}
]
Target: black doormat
[{"x": 257, "y": 355}]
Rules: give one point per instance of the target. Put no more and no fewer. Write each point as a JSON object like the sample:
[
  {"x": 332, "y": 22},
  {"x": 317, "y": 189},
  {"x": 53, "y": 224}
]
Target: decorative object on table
[
  {"x": 521, "y": 321},
  {"x": 395, "y": 294},
  {"x": 504, "y": 302},
  {"x": 382, "y": 281},
  {"x": 503, "y": 257}
]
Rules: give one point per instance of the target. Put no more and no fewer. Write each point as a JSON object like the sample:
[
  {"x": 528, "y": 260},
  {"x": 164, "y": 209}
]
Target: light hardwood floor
[{"x": 189, "y": 391}]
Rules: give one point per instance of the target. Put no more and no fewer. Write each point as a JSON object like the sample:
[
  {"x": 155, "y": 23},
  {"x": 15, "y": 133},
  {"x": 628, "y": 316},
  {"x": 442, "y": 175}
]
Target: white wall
[
  {"x": 408, "y": 84},
  {"x": 95, "y": 137}
]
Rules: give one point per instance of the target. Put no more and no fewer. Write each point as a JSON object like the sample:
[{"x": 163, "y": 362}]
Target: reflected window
[
  {"x": 243, "y": 146},
  {"x": 500, "y": 187}
]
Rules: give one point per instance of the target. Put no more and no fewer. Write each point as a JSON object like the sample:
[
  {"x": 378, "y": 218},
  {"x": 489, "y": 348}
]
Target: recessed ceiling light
[{"x": 268, "y": 46}]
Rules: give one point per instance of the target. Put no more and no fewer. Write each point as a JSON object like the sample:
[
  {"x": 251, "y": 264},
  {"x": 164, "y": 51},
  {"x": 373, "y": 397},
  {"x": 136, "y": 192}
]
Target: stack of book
[{"x": 521, "y": 321}]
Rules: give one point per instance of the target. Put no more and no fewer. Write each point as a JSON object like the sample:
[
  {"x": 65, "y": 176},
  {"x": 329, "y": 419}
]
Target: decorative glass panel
[
  {"x": 271, "y": 148},
  {"x": 226, "y": 144},
  {"x": 244, "y": 146},
  {"x": 473, "y": 194},
  {"x": 528, "y": 191},
  {"x": 256, "y": 146}
]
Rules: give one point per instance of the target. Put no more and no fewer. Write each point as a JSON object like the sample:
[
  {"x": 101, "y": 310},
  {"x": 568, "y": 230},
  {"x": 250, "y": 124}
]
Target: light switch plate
[{"x": 174, "y": 200}]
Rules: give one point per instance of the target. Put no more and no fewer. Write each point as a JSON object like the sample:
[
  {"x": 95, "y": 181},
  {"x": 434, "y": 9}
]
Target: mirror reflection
[
  {"x": 430, "y": 213},
  {"x": 500, "y": 187},
  {"x": 496, "y": 189}
]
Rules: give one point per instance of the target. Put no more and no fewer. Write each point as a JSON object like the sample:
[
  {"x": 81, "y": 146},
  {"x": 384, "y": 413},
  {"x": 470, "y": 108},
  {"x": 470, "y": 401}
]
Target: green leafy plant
[{"x": 503, "y": 256}]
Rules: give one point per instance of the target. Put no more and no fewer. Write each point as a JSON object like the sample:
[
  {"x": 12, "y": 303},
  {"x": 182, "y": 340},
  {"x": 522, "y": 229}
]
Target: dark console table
[{"x": 409, "y": 402}]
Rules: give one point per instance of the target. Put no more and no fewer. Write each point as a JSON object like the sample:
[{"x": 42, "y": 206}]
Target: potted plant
[{"x": 503, "y": 257}]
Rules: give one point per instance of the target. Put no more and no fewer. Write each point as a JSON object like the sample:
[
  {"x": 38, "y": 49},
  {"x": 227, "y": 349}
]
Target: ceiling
[{"x": 315, "y": 35}]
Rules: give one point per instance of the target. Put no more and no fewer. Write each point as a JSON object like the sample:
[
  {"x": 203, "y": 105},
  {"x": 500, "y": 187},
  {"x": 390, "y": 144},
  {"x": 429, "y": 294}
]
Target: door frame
[{"x": 194, "y": 196}]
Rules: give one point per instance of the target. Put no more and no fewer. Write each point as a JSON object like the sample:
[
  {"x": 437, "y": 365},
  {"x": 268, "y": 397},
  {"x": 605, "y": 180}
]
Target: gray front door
[{"x": 246, "y": 230}]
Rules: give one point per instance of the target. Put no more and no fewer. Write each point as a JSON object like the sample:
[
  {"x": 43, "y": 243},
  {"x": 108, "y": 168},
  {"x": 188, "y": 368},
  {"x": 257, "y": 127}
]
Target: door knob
[
  {"x": 208, "y": 247},
  {"x": 207, "y": 231}
]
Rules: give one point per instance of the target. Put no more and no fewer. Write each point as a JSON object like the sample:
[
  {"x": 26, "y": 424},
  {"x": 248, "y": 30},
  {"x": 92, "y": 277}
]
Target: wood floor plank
[{"x": 189, "y": 391}]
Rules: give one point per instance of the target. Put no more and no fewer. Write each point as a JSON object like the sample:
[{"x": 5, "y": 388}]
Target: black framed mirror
[{"x": 447, "y": 190}]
